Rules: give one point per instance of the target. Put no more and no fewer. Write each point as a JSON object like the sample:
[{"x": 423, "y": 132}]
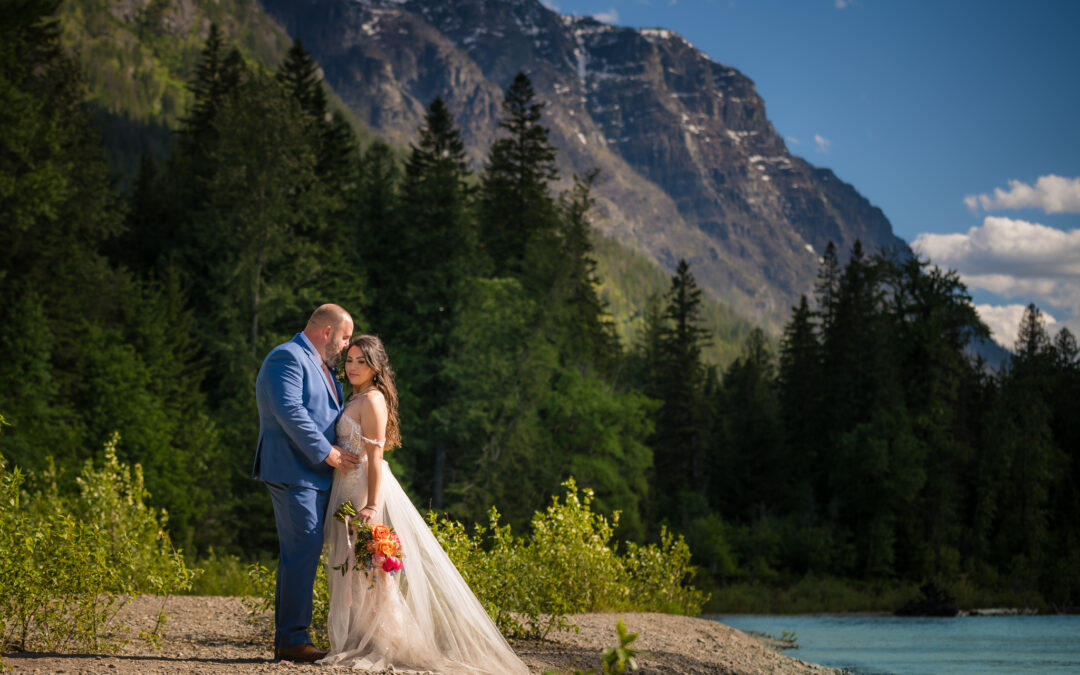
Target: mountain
[
  {"x": 139, "y": 55},
  {"x": 693, "y": 167}
]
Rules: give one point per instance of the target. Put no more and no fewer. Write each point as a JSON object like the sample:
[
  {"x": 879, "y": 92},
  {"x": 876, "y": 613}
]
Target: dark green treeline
[{"x": 870, "y": 446}]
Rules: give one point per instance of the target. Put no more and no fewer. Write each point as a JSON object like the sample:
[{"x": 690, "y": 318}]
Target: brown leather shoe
[{"x": 305, "y": 653}]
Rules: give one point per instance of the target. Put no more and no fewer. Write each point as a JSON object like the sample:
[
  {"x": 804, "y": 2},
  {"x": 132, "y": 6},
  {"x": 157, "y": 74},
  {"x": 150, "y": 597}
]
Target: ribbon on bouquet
[
  {"x": 350, "y": 561},
  {"x": 347, "y": 514}
]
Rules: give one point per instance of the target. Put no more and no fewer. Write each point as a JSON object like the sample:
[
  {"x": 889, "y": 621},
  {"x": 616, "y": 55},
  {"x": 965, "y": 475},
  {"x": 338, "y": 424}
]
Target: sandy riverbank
[{"x": 213, "y": 634}]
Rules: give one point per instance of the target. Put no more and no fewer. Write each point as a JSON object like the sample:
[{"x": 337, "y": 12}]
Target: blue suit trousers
[{"x": 299, "y": 512}]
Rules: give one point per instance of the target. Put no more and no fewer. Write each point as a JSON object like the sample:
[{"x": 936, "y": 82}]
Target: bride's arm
[{"x": 373, "y": 425}]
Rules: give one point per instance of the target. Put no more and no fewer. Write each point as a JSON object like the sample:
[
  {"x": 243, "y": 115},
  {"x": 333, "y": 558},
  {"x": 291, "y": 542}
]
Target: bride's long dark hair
[{"x": 375, "y": 355}]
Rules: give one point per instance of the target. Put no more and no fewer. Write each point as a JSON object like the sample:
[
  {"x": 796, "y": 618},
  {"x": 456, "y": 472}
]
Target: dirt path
[{"x": 214, "y": 635}]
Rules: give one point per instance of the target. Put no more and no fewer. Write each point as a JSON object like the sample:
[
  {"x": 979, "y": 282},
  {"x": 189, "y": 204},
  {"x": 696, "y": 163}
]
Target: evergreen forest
[{"x": 866, "y": 444}]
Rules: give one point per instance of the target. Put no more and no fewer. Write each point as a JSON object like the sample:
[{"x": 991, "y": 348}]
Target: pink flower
[
  {"x": 391, "y": 565},
  {"x": 378, "y": 560}
]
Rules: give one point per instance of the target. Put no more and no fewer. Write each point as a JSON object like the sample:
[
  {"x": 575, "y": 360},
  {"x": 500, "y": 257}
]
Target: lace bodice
[{"x": 349, "y": 436}]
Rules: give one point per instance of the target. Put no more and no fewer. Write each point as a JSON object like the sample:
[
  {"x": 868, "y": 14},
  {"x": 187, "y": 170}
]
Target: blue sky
[{"x": 927, "y": 108}]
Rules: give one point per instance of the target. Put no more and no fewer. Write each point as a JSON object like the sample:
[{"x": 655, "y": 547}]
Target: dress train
[{"x": 425, "y": 619}]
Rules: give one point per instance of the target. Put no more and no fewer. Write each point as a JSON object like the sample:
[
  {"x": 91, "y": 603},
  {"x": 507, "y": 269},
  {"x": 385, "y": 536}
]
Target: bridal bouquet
[{"x": 376, "y": 546}]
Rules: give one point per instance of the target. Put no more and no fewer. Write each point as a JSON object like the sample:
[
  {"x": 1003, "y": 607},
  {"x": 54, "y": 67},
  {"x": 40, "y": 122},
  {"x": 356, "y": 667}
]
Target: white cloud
[
  {"x": 550, "y": 5},
  {"x": 1004, "y": 322},
  {"x": 822, "y": 143},
  {"x": 792, "y": 140},
  {"x": 610, "y": 16},
  {"x": 841, "y": 4},
  {"x": 1052, "y": 194},
  {"x": 1013, "y": 258}
]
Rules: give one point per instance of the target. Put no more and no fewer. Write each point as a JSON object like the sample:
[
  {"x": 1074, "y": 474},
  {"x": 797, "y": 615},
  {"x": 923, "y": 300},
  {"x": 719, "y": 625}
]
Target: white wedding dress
[{"x": 425, "y": 619}]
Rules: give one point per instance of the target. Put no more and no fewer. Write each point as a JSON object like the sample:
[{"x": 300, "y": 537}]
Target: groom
[{"x": 299, "y": 405}]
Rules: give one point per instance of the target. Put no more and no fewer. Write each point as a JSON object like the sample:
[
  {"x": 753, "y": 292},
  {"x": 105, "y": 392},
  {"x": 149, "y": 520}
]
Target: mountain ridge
[{"x": 693, "y": 168}]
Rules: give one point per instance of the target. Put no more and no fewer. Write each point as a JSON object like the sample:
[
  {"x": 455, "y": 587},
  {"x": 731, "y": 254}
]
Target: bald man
[{"x": 299, "y": 405}]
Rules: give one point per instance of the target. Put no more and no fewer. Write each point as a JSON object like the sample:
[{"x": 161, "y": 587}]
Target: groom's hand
[{"x": 342, "y": 460}]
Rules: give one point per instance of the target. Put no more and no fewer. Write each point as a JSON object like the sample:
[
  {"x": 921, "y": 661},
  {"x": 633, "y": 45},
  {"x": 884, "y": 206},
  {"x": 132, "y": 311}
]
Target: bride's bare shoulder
[{"x": 368, "y": 401}]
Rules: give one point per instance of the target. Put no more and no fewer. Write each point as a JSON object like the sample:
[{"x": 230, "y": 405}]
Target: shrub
[
  {"x": 568, "y": 564},
  {"x": 68, "y": 564},
  {"x": 528, "y": 586},
  {"x": 522, "y": 597}
]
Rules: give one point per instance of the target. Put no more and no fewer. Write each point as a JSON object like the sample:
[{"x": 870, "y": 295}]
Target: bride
[{"x": 425, "y": 618}]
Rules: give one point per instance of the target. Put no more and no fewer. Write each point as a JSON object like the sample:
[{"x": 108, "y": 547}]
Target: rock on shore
[{"x": 214, "y": 634}]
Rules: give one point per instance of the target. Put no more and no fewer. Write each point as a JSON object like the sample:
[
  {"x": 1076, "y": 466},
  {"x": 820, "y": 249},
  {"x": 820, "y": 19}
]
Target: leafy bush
[
  {"x": 568, "y": 564},
  {"x": 520, "y": 595},
  {"x": 68, "y": 564}
]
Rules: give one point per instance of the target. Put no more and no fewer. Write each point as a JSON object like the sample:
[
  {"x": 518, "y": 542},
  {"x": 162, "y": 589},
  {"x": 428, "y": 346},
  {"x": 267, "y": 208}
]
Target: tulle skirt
[{"x": 424, "y": 619}]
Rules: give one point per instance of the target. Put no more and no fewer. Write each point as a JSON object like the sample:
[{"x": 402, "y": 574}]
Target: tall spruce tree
[
  {"x": 437, "y": 248},
  {"x": 801, "y": 404},
  {"x": 1024, "y": 440},
  {"x": 338, "y": 152},
  {"x": 589, "y": 333},
  {"x": 299, "y": 74},
  {"x": 680, "y": 443},
  {"x": 750, "y": 479},
  {"x": 932, "y": 322},
  {"x": 516, "y": 210},
  {"x": 218, "y": 73}
]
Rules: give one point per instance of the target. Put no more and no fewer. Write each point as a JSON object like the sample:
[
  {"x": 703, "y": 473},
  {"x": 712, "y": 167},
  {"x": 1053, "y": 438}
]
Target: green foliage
[
  {"x": 627, "y": 279},
  {"x": 517, "y": 214},
  {"x": 672, "y": 371},
  {"x": 603, "y": 432},
  {"x": 568, "y": 564},
  {"x": 67, "y": 565},
  {"x": 868, "y": 445},
  {"x": 225, "y": 574},
  {"x": 614, "y": 660}
]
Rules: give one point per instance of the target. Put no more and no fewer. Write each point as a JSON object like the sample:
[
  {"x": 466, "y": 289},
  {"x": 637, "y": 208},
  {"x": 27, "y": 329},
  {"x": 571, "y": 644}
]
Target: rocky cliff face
[{"x": 693, "y": 167}]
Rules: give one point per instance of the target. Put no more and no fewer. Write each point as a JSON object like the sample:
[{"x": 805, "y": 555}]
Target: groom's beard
[{"x": 332, "y": 359}]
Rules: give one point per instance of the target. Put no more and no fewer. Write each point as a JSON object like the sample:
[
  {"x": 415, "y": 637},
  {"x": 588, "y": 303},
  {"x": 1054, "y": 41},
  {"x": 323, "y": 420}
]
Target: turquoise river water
[{"x": 888, "y": 645}]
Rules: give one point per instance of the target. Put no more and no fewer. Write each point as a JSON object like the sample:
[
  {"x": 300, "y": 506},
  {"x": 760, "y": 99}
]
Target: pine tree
[
  {"x": 1023, "y": 439},
  {"x": 680, "y": 441},
  {"x": 338, "y": 153},
  {"x": 515, "y": 207},
  {"x": 590, "y": 335},
  {"x": 801, "y": 404},
  {"x": 750, "y": 477},
  {"x": 217, "y": 74},
  {"x": 828, "y": 286},
  {"x": 299, "y": 74},
  {"x": 932, "y": 320},
  {"x": 438, "y": 236},
  {"x": 372, "y": 221}
]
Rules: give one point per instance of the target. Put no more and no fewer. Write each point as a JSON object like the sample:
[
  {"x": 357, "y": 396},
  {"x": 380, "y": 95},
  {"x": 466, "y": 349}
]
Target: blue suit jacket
[{"x": 297, "y": 417}]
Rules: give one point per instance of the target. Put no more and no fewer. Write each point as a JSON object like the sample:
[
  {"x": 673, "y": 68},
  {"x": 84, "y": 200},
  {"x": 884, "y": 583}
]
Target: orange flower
[
  {"x": 380, "y": 532},
  {"x": 385, "y": 547}
]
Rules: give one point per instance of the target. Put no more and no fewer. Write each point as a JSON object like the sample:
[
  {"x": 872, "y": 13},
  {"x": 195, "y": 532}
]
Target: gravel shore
[{"x": 215, "y": 635}]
